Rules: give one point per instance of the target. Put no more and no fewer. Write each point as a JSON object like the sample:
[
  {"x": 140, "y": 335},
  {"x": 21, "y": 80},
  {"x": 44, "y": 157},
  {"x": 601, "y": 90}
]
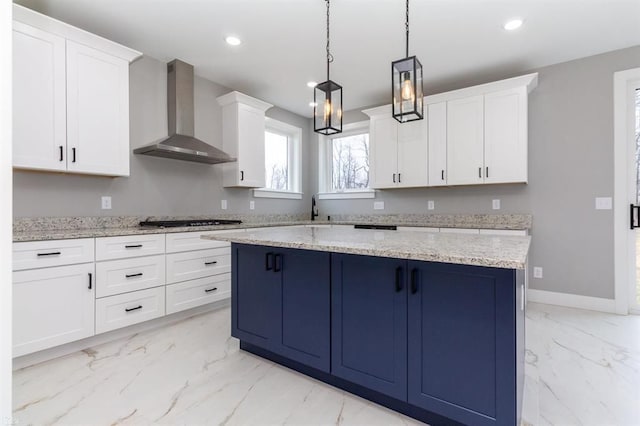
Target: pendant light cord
[
  {"x": 329, "y": 55},
  {"x": 406, "y": 24}
]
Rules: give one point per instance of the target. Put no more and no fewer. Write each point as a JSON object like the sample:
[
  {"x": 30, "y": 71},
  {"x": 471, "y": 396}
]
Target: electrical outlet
[
  {"x": 378, "y": 205},
  {"x": 537, "y": 272},
  {"x": 252, "y": 205},
  {"x": 106, "y": 202},
  {"x": 431, "y": 205},
  {"x": 604, "y": 203},
  {"x": 495, "y": 204},
  {"x": 223, "y": 204}
]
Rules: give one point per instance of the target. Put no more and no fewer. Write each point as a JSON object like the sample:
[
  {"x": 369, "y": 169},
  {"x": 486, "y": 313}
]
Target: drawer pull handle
[
  {"x": 133, "y": 309},
  {"x": 53, "y": 253},
  {"x": 207, "y": 290},
  {"x": 90, "y": 280},
  {"x": 139, "y": 274},
  {"x": 213, "y": 262},
  {"x": 133, "y": 246}
]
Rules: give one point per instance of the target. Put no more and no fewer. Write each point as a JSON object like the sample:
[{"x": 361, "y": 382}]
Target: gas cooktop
[{"x": 188, "y": 222}]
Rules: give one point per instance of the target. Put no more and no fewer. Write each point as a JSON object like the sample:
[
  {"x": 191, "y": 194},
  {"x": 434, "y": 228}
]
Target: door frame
[{"x": 624, "y": 85}]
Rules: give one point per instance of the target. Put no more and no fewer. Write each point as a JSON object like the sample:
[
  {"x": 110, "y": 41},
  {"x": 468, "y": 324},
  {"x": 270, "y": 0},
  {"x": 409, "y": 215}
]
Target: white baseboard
[
  {"x": 572, "y": 300},
  {"x": 68, "y": 348}
]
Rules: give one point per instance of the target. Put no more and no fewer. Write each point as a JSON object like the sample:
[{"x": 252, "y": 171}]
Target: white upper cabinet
[
  {"x": 437, "y": 137},
  {"x": 243, "y": 126},
  {"x": 97, "y": 112},
  {"x": 71, "y": 98},
  {"x": 465, "y": 139},
  {"x": 505, "y": 136},
  {"x": 39, "y": 123},
  {"x": 398, "y": 151}
]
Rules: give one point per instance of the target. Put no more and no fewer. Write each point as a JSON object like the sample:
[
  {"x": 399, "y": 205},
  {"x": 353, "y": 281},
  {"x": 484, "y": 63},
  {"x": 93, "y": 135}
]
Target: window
[
  {"x": 344, "y": 164},
  {"x": 282, "y": 161}
]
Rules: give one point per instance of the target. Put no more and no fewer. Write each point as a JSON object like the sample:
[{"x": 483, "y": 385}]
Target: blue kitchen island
[{"x": 430, "y": 325}]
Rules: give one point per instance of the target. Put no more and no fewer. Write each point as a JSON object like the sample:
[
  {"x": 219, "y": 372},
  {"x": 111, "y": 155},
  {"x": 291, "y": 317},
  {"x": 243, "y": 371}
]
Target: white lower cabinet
[
  {"x": 129, "y": 308},
  {"x": 197, "y": 264},
  {"x": 125, "y": 275},
  {"x": 52, "y": 306},
  {"x": 189, "y": 294}
]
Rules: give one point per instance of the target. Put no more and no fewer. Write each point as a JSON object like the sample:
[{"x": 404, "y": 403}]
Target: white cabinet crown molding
[
  {"x": 51, "y": 25},
  {"x": 237, "y": 97}
]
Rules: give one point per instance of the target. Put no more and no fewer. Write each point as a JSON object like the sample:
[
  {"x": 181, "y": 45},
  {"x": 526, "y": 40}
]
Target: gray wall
[
  {"x": 156, "y": 186},
  {"x": 570, "y": 163}
]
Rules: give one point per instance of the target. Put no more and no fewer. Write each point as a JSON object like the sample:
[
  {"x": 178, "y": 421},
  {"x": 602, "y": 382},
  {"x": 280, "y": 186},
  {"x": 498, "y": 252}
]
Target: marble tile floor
[{"x": 582, "y": 368}]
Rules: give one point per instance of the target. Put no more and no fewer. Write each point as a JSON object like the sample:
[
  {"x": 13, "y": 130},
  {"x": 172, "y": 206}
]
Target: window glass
[
  {"x": 277, "y": 161},
  {"x": 350, "y": 165}
]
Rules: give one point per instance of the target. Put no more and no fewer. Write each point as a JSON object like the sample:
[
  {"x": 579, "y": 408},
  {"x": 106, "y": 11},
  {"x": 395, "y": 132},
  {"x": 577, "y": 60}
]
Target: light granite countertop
[{"x": 509, "y": 252}]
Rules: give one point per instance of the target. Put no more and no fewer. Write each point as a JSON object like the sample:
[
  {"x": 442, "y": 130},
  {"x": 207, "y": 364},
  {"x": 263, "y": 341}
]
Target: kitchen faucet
[{"x": 314, "y": 209}]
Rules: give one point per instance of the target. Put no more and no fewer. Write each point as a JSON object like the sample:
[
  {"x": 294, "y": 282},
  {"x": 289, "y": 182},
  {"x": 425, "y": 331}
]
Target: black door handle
[
  {"x": 398, "y": 279},
  {"x": 399, "y": 181},
  {"x": 442, "y": 175},
  {"x": 480, "y": 172},
  {"x": 133, "y": 309},
  {"x": 139, "y": 274},
  {"x": 90, "y": 280},
  {"x": 394, "y": 178},
  {"x": 414, "y": 281},
  {"x": 241, "y": 174},
  {"x": 268, "y": 261},
  {"x": 277, "y": 263},
  {"x": 73, "y": 152},
  {"x": 487, "y": 172},
  {"x": 207, "y": 290},
  {"x": 61, "y": 154},
  {"x": 52, "y": 253},
  {"x": 633, "y": 217},
  {"x": 133, "y": 246},
  {"x": 213, "y": 262}
]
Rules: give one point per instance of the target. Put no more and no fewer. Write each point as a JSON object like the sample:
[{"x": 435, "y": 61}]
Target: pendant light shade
[
  {"x": 327, "y": 99},
  {"x": 406, "y": 84}
]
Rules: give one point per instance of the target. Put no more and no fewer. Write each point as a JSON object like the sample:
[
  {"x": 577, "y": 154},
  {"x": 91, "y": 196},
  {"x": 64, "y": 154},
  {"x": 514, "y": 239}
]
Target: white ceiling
[{"x": 459, "y": 42}]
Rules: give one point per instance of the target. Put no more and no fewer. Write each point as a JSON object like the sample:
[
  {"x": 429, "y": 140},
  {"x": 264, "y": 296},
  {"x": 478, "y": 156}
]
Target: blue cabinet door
[
  {"x": 304, "y": 330},
  {"x": 369, "y": 322},
  {"x": 255, "y": 292},
  {"x": 462, "y": 342}
]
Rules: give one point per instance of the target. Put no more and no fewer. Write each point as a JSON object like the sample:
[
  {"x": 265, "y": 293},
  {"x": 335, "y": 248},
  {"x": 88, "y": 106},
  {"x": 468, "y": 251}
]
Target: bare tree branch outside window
[
  {"x": 277, "y": 161},
  {"x": 350, "y": 162}
]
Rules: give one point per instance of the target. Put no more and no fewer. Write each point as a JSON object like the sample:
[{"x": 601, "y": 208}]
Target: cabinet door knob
[
  {"x": 241, "y": 174},
  {"x": 399, "y": 181},
  {"x": 394, "y": 178},
  {"x": 442, "y": 175},
  {"x": 480, "y": 172},
  {"x": 277, "y": 263},
  {"x": 73, "y": 155},
  {"x": 398, "y": 279},
  {"x": 268, "y": 261},
  {"x": 90, "y": 280},
  {"x": 414, "y": 281},
  {"x": 61, "y": 153},
  {"x": 487, "y": 172}
]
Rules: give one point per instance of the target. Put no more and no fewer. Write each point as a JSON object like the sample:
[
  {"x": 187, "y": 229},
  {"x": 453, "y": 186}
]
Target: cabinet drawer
[
  {"x": 42, "y": 254},
  {"x": 109, "y": 248},
  {"x": 188, "y": 241},
  {"x": 130, "y": 308},
  {"x": 197, "y": 264},
  {"x": 52, "y": 306},
  {"x": 124, "y": 275},
  {"x": 201, "y": 291}
]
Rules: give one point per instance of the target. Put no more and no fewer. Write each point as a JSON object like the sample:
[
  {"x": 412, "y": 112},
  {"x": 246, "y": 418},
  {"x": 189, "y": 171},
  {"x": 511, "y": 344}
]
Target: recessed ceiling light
[
  {"x": 312, "y": 104},
  {"x": 233, "y": 41},
  {"x": 312, "y": 84},
  {"x": 513, "y": 24}
]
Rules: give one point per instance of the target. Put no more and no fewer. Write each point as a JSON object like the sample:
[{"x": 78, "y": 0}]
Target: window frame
[
  {"x": 294, "y": 159},
  {"x": 325, "y": 164}
]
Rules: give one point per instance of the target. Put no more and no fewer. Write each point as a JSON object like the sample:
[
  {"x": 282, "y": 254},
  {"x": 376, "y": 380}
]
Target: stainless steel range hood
[{"x": 181, "y": 143}]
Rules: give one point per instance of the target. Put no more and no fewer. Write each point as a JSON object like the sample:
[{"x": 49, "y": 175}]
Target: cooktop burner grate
[{"x": 188, "y": 222}]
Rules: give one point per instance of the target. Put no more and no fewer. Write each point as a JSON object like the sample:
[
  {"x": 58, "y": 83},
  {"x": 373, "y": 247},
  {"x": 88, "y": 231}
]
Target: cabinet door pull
[
  {"x": 213, "y": 262},
  {"x": 480, "y": 172},
  {"x": 139, "y": 274},
  {"x": 442, "y": 175},
  {"x": 207, "y": 290},
  {"x": 487, "y": 172},
  {"x": 133, "y": 309},
  {"x": 73, "y": 156},
  {"x": 241, "y": 174},
  {"x": 414, "y": 281},
  {"x": 394, "y": 178},
  {"x": 268, "y": 261},
  {"x": 398, "y": 279},
  {"x": 61, "y": 154},
  {"x": 51, "y": 253},
  {"x": 399, "y": 181},
  {"x": 133, "y": 246},
  {"x": 277, "y": 263},
  {"x": 90, "y": 280}
]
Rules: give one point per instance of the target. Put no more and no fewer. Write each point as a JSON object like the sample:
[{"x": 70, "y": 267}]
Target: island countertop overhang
[{"x": 497, "y": 251}]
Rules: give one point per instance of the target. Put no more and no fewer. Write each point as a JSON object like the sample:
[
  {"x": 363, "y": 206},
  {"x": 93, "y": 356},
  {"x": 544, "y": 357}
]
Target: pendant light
[
  {"x": 406, "y": 84},
  {"x": 327, "y": 99}
]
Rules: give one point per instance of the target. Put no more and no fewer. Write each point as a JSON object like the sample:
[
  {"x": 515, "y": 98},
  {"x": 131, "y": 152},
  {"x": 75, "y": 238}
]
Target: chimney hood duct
[{"x": 181, "y": 143}]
